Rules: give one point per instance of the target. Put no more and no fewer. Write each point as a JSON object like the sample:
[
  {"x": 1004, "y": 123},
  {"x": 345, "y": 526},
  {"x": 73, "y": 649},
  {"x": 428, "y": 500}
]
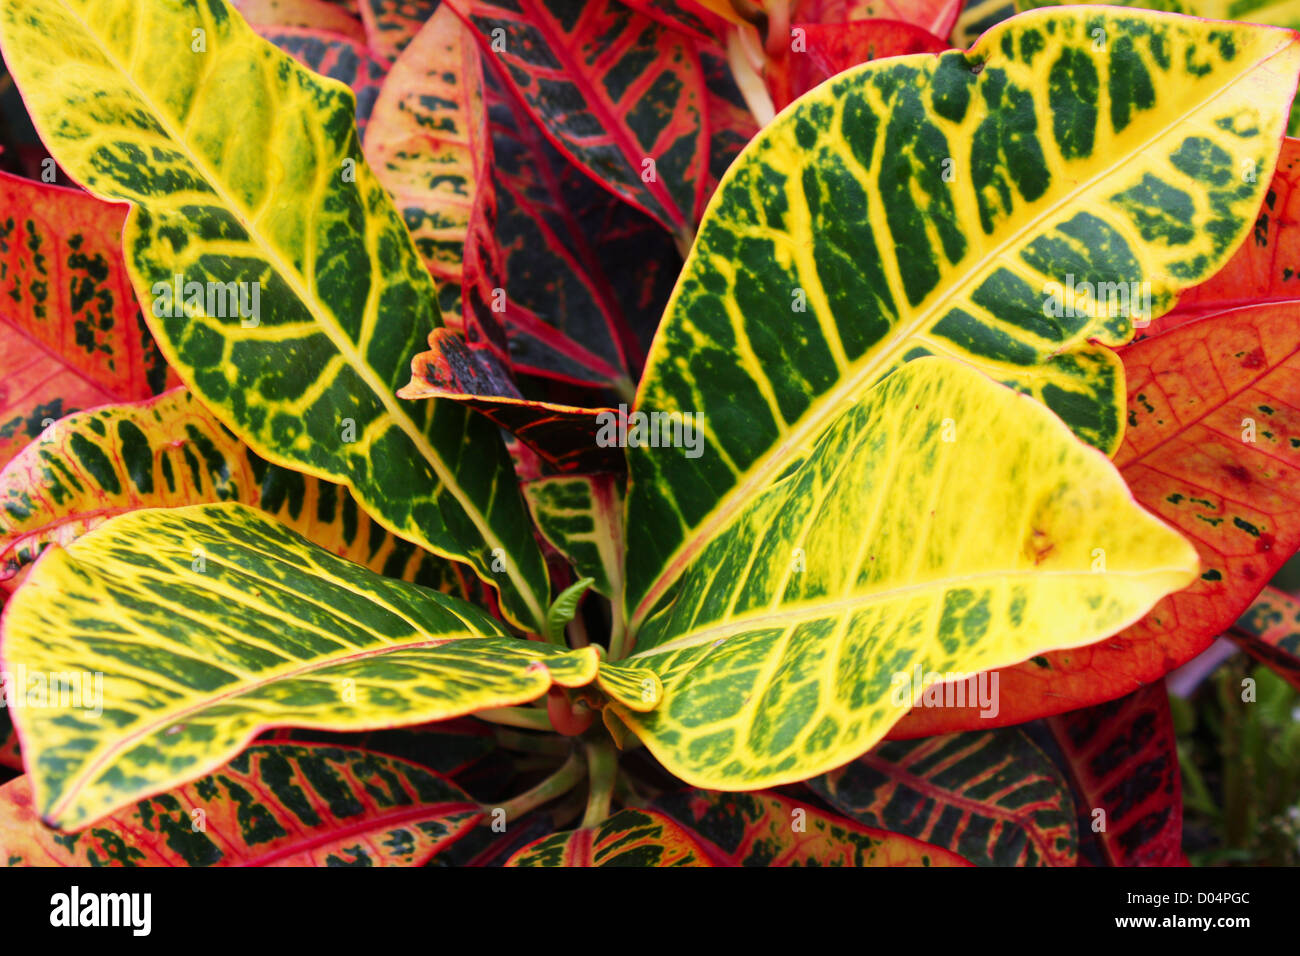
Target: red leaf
[
  {"x": 933, "y": 16},
  {"x": 575, "y": 311},
  {"x": 617, "y": 92},
  {"x": 684, "y": 16},
  {"x": 562, "y": 435},
  {"x": 1123, "y": 756},
  {"x": 313, "y": 14},
  {"x": 391, "y": 24},
  {"x": 1270, "y": 633},
  {"x": 767, "y": 829},
  {"x": 829, "y": 48},
  {"x": 1267, "y": 266},
  {"x": 71, "y": 333}
]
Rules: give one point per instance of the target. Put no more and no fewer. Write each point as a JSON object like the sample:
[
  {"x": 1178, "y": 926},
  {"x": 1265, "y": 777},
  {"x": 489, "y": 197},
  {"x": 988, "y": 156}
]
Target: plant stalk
[
  {"x": 529, "y": 718},
  {"x": 557, "y": 784},
  {"x": 602, "y": 772}
]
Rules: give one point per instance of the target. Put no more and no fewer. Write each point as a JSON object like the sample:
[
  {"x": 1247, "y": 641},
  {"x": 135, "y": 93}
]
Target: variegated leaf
[
  {"x": 927, "y": 205},
  {"x": 272, "y": 197},
  {"x": 313, "y": 14},
  {"x": 1213, "y": 448},
  {"x": 582, "y": 518},
  {"x": 937, "y": 17},
  {"x": 71, "y": 335},
  {"x": 577, "y": 311},
  {"x": 628, "y": 838},
  {"x": 993, "y": 797},
  {"x": 566, "y": 437},
  {"x": 338, "y": 57},
  {"x": 765, "y": 829},
  {"x": 170, "y": 451},
  {"x": 1269, "y": 631},
  {"x": 1123, "y": 756},
  {"x": 182, "y": 611},
  {"x": 273, "y": 805},
  {"x": 615, "y": 90},
  {"x": 392, "y": 24},
  {"x": 941, "y": 524}
]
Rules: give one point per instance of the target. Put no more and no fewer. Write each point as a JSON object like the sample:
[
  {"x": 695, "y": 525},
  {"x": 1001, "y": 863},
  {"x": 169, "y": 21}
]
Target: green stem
[
  {"x": 602, "y": 772},
  {"x": 617, "y": 631},
  {"x": 556, "y": 785},
  {"x": 530, "y": 718},
  {"x": 530, "y": 743}
]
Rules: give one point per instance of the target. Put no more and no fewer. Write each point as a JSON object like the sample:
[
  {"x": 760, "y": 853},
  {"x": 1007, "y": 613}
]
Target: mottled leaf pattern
[
  {"x": 994, "y": 798},
  {"x": 618, "y": 92},
  {"x": 1213, "y": 448},
  {"x": 582, "y": 518},
  {"x": 392, "y": 24},
  {"x": 781, "y": 648},
  {"x": 1269, "y": 631},
  {"x": 346, "y": 299},
  {"x": 183, "y": 611},
  {"x": 71, "y": 335},
  {"x": 577, "y": 311},
  {"x": 273, "y": 805},
  {"x": 170, "y": 451},
  {"x": 764, "y": 829},
  {"x": 337, "y": 57},
  {"x": 1123, "y": 756},
  {"x": 836, "y": 248},
  {"x": 628, "y": 838}
]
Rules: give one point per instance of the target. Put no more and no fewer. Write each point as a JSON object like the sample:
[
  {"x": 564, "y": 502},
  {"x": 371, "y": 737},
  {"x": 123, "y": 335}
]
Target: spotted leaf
[
  {"x": 71, "y": 335},
  {"x": 615, "y": 90},
  {"x": 939, "y": 204},
  {"x": 273, "y": 805},
  {"x": 1123, "y": 756},
  {"x": 784, "y": 642},
  {"x": 392, "y": 24},
  {"x": 183, "y": 611},
  {"x": 765, "y": 829},
  {"x": 170, "y": 451},
  {"x": 993, "y": 797},
  {"x": 272, "y": 198},
  {"x": 1269, "y": 631},
  {"x": 338, "y": 57},
  {"x": 628, "y": 838}
]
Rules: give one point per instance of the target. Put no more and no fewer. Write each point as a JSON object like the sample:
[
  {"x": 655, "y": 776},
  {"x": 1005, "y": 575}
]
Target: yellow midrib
[
  {"x": 822, "y": 411},
  {"x": 325, "y": 320}
]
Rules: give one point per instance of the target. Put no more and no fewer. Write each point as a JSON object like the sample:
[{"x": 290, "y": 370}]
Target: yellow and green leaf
[
  {"x": 274, "y": 195},
  {"x": 170, "y": 451},
  {"x": 338, "y": 57},
  {"x": 582, "y": 518},
  {"x": 212, "y": 623},
  {"x": 766, "y": 829},
  {"x": 942, "y": 524},
  {"x": 273, "y": 805},
  {"x": 940, "y": 205},
  {"x": 628, "y": 838}
]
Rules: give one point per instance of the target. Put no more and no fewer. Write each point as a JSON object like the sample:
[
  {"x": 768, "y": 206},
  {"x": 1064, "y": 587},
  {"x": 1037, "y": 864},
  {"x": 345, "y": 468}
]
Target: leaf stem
[
  {"x": 618, "y": 648},
  {"x": 530, "y": 743},
  {"x": 557, "y": 784},
  {"x": 530, "y": 718},
  {"x": 602, "y": 772}
]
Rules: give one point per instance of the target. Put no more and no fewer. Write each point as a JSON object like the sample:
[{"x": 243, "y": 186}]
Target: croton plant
[{"x": 658, "y": 433}]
